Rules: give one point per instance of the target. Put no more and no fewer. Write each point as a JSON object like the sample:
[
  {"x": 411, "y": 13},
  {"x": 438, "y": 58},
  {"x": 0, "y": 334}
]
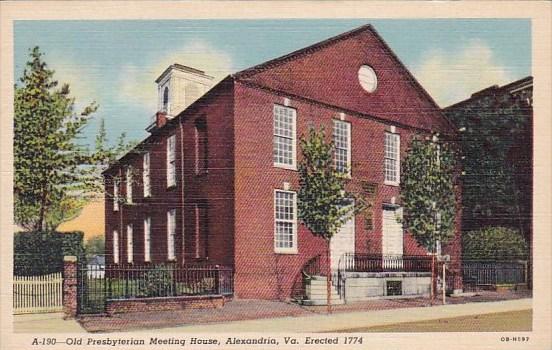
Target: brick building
[{"x": 217, "y": 181}]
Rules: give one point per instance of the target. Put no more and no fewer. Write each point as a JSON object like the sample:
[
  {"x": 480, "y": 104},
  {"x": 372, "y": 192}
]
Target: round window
[{"x": 367, "y": 78}]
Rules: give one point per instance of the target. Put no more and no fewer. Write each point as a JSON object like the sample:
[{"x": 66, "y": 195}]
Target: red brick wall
[
  {"x": 164, "y": 304},
  {"x": 330, "y": 75},
  {"x": 259, "y": 271},
  {"x": 214, "y": 188}
]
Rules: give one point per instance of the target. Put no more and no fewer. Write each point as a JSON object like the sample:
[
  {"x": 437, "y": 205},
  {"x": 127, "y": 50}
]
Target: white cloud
[
  {"x": 81, "y": 79},
  {"x": 450, "y": 77},
  {"x": 137, "y": 83}
]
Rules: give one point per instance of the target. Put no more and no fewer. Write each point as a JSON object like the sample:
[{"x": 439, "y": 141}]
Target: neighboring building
[
  {"x": 95, "y": 266},
  {"x": 217, "y": 182},
  {"x": 488, "y": 103},
  {"x": 515, "y": 130}
]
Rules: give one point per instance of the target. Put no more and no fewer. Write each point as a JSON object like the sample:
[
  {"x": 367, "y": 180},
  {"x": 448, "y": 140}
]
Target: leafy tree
[
  {"x": 54, "y": 175},
  {"x": 322, "y": 198},
  {"x": 494, "y": 243},
  {"x": 428, "y": 194},
  {"x": 496, "y": 160},
  {"x": 95, "y": 245}
]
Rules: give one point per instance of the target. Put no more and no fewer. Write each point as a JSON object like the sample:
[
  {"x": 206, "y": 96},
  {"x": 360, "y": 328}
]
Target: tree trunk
[
  {"x": 328, "y": 279},
  {"x": 41, "y": 221}
]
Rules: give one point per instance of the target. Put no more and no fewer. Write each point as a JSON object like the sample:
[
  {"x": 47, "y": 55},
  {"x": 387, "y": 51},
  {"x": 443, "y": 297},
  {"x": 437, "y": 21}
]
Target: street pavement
[
  {"x": 54, "y": 323},
  {"x": 351, "y": 320}
]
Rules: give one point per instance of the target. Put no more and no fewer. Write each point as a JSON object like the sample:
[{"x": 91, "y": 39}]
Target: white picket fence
[{"x": 37, "y": 294}]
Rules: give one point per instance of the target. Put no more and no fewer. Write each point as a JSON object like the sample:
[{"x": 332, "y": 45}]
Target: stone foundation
[
  {"x": 360, "y": 286},
  {"x": 116, "y": 306}
]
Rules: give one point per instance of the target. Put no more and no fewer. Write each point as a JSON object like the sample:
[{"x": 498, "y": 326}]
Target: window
[
  {"x": 115, "y": 247},
  {"x": 147, "y": 239},
  {"x": 171, "y": 161},
  {"x": 284, "y": 137},
  {"x": 171, "y": 233},
  {"x": 115, "y": 194},
  {"x": 166, "y": 100},
  {"x": 392, "y": 158},
  {"x": 285, "y": 222},
  {"x": 129, "y": 185},
  {"x": 367, "y": 78},
  {"x": 146, "y": 175},
  {"x": 201, "y": 150},
  {"x": 342, "y": 142},
  {"x": 201, "y": 230},
  {"x": 130, "y": 244}
]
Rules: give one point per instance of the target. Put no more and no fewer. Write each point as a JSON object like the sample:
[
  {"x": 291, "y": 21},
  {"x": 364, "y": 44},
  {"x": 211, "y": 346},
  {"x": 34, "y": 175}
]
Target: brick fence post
[{"x": 69, "y": 286}]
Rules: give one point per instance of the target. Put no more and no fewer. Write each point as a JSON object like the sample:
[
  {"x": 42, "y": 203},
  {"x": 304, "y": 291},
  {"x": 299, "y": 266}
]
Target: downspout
[{"x": 182, "y": 185}]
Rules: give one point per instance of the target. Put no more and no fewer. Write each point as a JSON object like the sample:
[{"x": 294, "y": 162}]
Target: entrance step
[{"x": 316, "y": 292}]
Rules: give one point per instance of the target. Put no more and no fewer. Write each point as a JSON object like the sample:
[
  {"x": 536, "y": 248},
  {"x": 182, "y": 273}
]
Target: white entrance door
[
  {"x": 343, "y": 242},
  {"x": 392, "y": 240}
]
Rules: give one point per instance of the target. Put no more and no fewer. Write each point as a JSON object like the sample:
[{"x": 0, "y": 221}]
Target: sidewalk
[
  {"x": 45, "y": 323},
  {"x": 340, "y": 321}
]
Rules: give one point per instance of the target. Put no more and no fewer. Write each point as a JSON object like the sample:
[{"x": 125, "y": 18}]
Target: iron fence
[
  {"x": 97, "y": 283},
  {"x": 490, "y": 273},
  {"x": 354, "y": 262}
]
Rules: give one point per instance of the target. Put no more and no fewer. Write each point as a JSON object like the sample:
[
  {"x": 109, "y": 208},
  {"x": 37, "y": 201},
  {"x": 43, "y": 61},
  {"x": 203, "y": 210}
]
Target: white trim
[
  {"x": 116, "y": 194},
  {"x": 171, "y": 234},
  {"x": 397, "y": 160},
  {"x": 115, "y": 246},
  {"x": 349, "y": 144},
  {"x": 171, "y": 161},
  {"x": 293, "y": 165},
  {"x": 129, "y": 185},
  {"x": 130, "y": 243},
  {"x": 146, "y": 174},
  {"x": 294, "y": 249},
  {"x": 147, "y": 238}
]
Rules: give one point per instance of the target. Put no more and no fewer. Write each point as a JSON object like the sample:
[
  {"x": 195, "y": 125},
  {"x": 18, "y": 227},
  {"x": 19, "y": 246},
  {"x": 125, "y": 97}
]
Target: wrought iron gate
[{"x": 91, "y": 288}]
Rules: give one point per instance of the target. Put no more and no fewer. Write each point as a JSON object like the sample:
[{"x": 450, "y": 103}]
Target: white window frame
[
  {"x": 130, "y": 244},
  {"x": 171, "y": 161},
  {"x": 115, "y": 246},
  {"x": 116, "y": 194},
  {"x": 147, "y": 239},
  {"x": 348, "y": 149},
  {"x": 396, "y": 181},
  {"x": 293, "y": 165},
  {"x": 286, "y": 250},
  {"x": 146, "y": 178},
  {"x": 171, "y": 234},
  {"x": 129, "y": 185}
]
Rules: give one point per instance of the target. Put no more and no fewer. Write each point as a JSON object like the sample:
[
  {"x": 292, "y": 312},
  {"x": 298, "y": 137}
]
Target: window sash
[
  {"x": 171, "y": 161},
  {"x": 392, "y": 158},
  {"x": 147, "y": 239},
  {"x": 146, "y": 175},
  {"x": 284, "y": 136},
  {"x": 171, "y": 232},
  {"x": 115, "y": 195},
  {"x": 129, "y": 185},
  {"x": 115, "y": 246},
  {"x": 285, "y": 222},
  {"x": 130, "y": 244},
  {"x": 342, "y": 143}
]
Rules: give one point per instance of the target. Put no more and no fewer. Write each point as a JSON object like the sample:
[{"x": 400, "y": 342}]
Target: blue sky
[{"x": 116, "y": 62}]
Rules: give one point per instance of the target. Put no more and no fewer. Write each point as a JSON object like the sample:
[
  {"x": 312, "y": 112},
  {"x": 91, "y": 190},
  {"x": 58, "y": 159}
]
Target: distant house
[
  {"x": 216, "y": 180},
  {"x": 95, "y": 266}
]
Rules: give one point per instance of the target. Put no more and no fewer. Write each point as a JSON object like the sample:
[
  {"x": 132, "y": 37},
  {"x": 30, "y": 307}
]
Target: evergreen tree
[{"x": 54, "y": 174}]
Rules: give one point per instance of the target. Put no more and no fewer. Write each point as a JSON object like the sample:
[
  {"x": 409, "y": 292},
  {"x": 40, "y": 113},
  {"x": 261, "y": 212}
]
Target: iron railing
[
  {"x": 354, "y": 262},
  {"x": 490, "y": 273}
]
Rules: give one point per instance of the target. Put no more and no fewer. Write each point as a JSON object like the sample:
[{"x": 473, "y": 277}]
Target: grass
[{"x": 496, "y": 322}]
